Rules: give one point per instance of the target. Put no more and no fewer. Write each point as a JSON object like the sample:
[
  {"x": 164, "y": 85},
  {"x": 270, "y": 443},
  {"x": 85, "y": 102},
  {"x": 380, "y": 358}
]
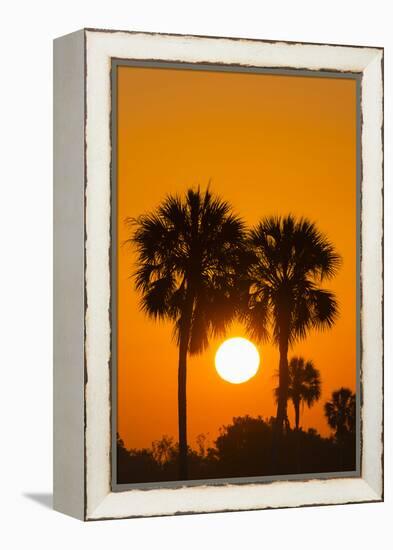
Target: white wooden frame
[{"x": 82, "y": 433}]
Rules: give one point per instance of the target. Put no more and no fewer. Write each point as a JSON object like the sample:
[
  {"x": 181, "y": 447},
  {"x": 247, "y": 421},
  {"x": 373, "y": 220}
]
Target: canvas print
[{"x": 235, "y": 274}]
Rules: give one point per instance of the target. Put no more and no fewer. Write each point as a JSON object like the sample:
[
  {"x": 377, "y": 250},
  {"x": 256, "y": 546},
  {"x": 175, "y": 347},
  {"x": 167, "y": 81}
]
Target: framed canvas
[{"x": 218, "y": 274}]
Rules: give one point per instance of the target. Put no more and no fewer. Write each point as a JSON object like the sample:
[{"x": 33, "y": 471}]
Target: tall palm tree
[
  {"x": 304, "y": 385},
  {"x": 191, "y": 252},
  {"x": 340, "y": 412},
  {"x": 291, "y": 260}
]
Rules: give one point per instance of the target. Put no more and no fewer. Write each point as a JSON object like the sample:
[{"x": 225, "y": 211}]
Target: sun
[{"x": 237, "y": 360}]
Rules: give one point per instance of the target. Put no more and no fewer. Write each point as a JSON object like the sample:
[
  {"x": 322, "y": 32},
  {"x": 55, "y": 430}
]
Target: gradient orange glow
[{"x": 269, "y": 144}]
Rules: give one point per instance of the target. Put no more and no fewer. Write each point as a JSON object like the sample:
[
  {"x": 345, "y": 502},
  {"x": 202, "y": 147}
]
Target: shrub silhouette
[{"x": 243, "y": 449}]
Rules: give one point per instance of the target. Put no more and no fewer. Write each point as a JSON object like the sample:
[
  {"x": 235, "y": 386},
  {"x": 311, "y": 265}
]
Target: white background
[{"x": 28, "y": 28}]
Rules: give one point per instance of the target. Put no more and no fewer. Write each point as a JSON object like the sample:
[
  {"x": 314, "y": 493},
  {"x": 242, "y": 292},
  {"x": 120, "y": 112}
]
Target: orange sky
[{"x": 269, "y": 144}]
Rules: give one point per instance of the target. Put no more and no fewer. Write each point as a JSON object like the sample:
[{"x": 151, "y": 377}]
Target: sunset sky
[{"x": 270, "y": 145}]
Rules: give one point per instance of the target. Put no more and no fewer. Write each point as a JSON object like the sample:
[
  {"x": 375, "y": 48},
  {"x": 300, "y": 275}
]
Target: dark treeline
[{"x": 243, "y": 449}]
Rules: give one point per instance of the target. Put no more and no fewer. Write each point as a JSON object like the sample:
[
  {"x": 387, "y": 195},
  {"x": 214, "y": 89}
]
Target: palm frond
[
  {"x": 291, "y": 258},
  {"x": 324, "y": 308},
  {"x": 191, "y": 249}
]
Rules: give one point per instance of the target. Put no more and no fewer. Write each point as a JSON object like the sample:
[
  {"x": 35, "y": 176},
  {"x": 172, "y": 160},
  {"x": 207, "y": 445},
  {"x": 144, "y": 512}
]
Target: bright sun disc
[{"x": 237, "y": 360}]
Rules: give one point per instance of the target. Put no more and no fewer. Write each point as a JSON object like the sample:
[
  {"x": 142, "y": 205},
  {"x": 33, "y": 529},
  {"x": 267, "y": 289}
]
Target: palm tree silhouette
[
  {"x": 340, "y": 412},
  {"x": 190, "y": 256},
  {"x": 291, "y": 259},
  {"x": 304, "y": 385}
]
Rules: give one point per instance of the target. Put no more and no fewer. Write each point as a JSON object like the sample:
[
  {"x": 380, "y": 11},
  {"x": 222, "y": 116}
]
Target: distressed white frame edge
[
  {"x": 100, "y": 501},
  {"x": 68, "y": 274}
]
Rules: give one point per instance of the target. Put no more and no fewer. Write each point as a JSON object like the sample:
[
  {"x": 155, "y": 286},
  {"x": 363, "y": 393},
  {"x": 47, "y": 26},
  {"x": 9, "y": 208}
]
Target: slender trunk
[
  {"x": 283, "y": 375},
  {"x": 340, "y": 435},
  {"x": 182, "y": 409},
  {"x": 185, "y": 328},
  {"x": 296, "y": 405}
]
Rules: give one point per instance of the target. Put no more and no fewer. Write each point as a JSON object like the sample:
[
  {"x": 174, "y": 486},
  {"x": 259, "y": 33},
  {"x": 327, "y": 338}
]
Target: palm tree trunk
[
  {"x": 185, "y": 329},
  {"x": 182, "y": 409},
  {"x": 283, "y": 381},
  {"x": 296, "y": 404},
  {"x": 283, "y": 374}
]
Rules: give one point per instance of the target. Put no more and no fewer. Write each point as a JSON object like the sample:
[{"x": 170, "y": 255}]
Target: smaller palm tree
[
  {"x": 340, "y": 412},
  {"x": 304, "y": 385}
]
